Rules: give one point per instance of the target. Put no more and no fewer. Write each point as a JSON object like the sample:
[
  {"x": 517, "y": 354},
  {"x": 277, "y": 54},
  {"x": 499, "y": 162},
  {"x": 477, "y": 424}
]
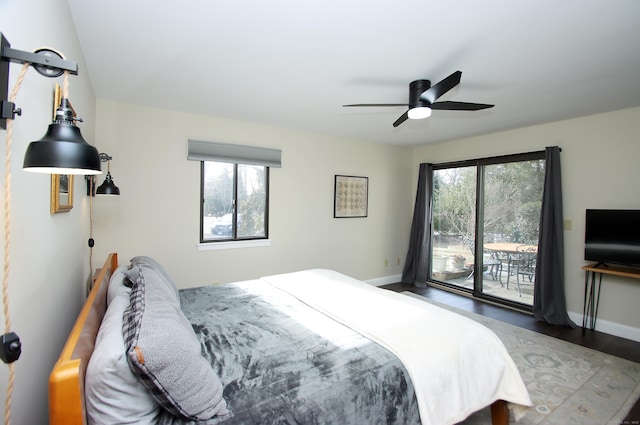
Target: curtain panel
[
  {"x": 418, "y": 260},
  {"x": 549, "y": 302}
]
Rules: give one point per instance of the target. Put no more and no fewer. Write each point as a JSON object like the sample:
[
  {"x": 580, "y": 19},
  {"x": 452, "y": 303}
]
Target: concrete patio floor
[{"x": 493, "y": 287}]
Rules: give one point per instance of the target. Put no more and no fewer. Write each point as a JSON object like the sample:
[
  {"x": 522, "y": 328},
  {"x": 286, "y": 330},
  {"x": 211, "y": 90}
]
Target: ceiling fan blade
[
  {"x": 460, "y": 106},
  {"x": 430, "y": 95},
  {"x": 402, "y": 119},
  {"x": 378, "y": 104}
]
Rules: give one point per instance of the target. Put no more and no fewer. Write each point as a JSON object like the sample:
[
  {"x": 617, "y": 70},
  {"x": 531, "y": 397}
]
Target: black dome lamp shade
[
  {"x": 62, "y": 150},
  {"x": 108, "y": 187}
]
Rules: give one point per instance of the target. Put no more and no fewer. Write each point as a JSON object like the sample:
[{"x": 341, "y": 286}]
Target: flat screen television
[{"x": 612, "y": 236}]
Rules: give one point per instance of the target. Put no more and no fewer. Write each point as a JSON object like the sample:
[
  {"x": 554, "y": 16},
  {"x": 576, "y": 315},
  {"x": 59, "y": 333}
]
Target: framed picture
[
  {"x": 350, "y": 196},
  {"x": 61, "y": 193}
]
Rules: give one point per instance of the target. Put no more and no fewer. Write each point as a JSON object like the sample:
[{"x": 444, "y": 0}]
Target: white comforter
[{"x": 457, "y": 365}]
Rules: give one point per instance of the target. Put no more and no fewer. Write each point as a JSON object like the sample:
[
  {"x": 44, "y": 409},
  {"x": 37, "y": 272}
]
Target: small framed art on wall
[
  {"x": 61, "y": 193},
  {"x": 350, "y": 196}
]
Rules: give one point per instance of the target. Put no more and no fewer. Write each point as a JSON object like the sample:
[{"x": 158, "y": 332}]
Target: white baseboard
[
  {"x": 385, "y": 280},
  {"x": 612, "y": 328}
]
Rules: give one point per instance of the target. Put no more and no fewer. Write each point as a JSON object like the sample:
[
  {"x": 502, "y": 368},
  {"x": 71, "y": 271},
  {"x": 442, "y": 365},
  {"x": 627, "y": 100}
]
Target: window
[
  {"x": 234, "y": 192},
  {"x": 486, "y": 217},
  {"x": 234, "y": 201}
]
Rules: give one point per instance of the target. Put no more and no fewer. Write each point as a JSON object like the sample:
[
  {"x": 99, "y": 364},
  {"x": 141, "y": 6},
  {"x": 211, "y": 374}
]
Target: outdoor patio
[
  {"x": 491, "y": 286},
  {"x": 445, "y": 269}
]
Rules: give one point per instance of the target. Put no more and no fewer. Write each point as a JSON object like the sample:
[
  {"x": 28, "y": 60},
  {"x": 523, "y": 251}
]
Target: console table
[{"x": 592, "y": 291}]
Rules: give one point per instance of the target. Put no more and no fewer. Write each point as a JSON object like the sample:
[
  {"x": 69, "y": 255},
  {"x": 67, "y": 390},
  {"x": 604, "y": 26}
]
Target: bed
[{"x": 281, "y": 349}]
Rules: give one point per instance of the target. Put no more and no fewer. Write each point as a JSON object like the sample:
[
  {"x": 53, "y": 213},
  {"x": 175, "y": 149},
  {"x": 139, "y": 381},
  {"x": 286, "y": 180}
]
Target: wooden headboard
[{"x": 66, "y": 382}]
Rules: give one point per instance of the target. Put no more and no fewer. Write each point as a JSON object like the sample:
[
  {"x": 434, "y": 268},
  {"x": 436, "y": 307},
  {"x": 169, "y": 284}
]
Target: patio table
[{"x": 510, "y": 248}]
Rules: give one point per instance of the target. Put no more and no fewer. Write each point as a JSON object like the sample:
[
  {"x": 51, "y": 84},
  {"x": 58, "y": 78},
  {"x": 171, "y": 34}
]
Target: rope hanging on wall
[
  {"x": 10, "y": 343},
  {"x": 10, "y": 338},
  {"x": 91, "y": 242}
]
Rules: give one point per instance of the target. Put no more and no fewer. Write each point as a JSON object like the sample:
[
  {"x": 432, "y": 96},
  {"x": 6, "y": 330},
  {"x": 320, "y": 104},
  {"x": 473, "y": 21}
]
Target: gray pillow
[
  {"x": 113, "y": 394},
  {"x": 165, "y": 354},
  {"x": 148, "y": 263}
]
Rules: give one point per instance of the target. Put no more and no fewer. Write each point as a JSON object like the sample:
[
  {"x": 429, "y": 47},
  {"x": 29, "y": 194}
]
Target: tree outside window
[{"x": 234, "y": 201}]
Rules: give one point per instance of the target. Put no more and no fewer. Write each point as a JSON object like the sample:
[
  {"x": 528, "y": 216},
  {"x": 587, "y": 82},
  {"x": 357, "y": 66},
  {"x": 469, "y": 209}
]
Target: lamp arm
[
  {"x": 105, "y": 157},
  {"x": 48, "y": 65},
  {"x": 55, "y": 64}
]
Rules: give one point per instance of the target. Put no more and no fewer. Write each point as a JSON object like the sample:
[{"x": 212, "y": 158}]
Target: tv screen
[{"x": 612, "y": 236}]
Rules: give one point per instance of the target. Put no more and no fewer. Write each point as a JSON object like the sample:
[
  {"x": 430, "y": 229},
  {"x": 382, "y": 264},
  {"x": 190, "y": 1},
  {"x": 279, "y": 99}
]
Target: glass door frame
[{"x": 478, "y": 268}]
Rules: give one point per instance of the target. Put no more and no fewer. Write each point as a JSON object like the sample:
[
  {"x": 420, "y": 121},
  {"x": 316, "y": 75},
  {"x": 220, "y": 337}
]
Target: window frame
[
  {"x": 234, "y": 241},
  {"x": 478, "y": 239}
]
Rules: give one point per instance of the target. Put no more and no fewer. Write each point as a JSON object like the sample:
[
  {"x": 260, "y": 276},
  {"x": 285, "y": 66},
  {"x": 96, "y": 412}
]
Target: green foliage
[
  {"x": 250, "y": 189},
  {"x": 251, "y": 201},
  {"x": 218, "y": 189},
  {"x": 454, "y": 201},
  {"x": 512, "y": 201}
]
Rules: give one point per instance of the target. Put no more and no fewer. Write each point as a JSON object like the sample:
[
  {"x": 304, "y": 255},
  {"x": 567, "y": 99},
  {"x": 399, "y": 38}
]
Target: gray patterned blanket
[{"x": 282, "y": 362}]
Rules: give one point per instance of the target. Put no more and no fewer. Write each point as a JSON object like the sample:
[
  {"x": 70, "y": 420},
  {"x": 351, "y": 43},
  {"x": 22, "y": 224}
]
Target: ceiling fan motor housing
[{"x": 416, "y": 88}]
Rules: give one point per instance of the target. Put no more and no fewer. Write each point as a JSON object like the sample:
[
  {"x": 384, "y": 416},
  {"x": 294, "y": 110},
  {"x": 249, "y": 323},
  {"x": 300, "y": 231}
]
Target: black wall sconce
[
  {"x": 62, "y": 150},
  {"x": 108, "y": 187}
]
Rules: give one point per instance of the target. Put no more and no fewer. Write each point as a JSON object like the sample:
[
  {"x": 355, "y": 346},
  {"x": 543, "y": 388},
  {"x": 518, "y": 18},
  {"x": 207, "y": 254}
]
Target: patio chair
[
  {"x": 493, "y": 265},
  {"x": 526, "y": 266},
  {"x": 506, "y": 261}
]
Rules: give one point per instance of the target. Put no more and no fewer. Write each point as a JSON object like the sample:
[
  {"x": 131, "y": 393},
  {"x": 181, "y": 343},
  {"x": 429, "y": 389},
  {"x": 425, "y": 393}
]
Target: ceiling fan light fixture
[{"x": 419, "y": 113}]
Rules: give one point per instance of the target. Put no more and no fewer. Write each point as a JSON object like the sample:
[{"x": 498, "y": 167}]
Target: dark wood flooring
[{"x": 613, "y": 345}]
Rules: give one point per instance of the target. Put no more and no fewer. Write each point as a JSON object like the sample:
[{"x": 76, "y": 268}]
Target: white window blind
[{"x": 224, "y": 152}]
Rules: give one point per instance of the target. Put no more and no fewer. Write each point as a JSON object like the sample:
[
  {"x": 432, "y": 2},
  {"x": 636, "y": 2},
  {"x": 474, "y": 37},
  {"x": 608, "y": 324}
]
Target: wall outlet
[
  {"x": 397, "y": 261},
  {"x": 386, "y": 262},
  {"x": 567, "y": 224}
]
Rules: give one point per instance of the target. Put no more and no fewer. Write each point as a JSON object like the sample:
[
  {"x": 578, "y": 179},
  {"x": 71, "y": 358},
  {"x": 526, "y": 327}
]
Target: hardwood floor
[{"x": 613, "y": 345}]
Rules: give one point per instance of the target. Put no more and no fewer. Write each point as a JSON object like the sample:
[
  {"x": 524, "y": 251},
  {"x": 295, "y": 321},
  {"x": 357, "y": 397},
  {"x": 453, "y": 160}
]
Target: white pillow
[
  {"x": 113, "y": 395},
  {"x": 116, "y": 284}
]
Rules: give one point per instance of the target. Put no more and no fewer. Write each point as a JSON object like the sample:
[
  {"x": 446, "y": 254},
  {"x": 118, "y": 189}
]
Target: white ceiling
[{"x": 293, "y": 63}]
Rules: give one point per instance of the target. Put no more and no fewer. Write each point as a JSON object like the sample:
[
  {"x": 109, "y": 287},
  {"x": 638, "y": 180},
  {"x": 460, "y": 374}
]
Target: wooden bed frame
[{"x": 66, "y": 382}]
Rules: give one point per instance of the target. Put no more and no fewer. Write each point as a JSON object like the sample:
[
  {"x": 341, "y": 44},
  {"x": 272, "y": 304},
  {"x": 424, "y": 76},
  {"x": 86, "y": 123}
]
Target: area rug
[{"x": 567, "y": 383}]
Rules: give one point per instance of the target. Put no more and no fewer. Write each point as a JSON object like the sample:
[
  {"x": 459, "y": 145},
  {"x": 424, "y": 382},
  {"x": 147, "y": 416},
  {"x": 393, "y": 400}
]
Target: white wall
[
  {"x": 157, "y": 213},
  {"x": 48, "y": 254},
  {"x": 599, "y": 163}
]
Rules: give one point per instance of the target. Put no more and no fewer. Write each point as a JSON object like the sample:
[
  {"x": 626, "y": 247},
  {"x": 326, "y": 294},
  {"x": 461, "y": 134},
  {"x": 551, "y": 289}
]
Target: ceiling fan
[{"x": 423, "y": 96}]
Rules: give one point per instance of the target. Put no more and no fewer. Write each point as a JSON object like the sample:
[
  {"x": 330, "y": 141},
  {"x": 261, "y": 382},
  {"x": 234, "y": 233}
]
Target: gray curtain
[
  {"x": 418, "y": 260},
  {"x": 549, "y": 303}
]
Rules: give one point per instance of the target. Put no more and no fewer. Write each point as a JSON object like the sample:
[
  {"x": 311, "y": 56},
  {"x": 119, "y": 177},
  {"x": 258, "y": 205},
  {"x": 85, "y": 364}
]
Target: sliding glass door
[
  {"x": 486, "y": 217},
  {"x": 454, "y": 207}
]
